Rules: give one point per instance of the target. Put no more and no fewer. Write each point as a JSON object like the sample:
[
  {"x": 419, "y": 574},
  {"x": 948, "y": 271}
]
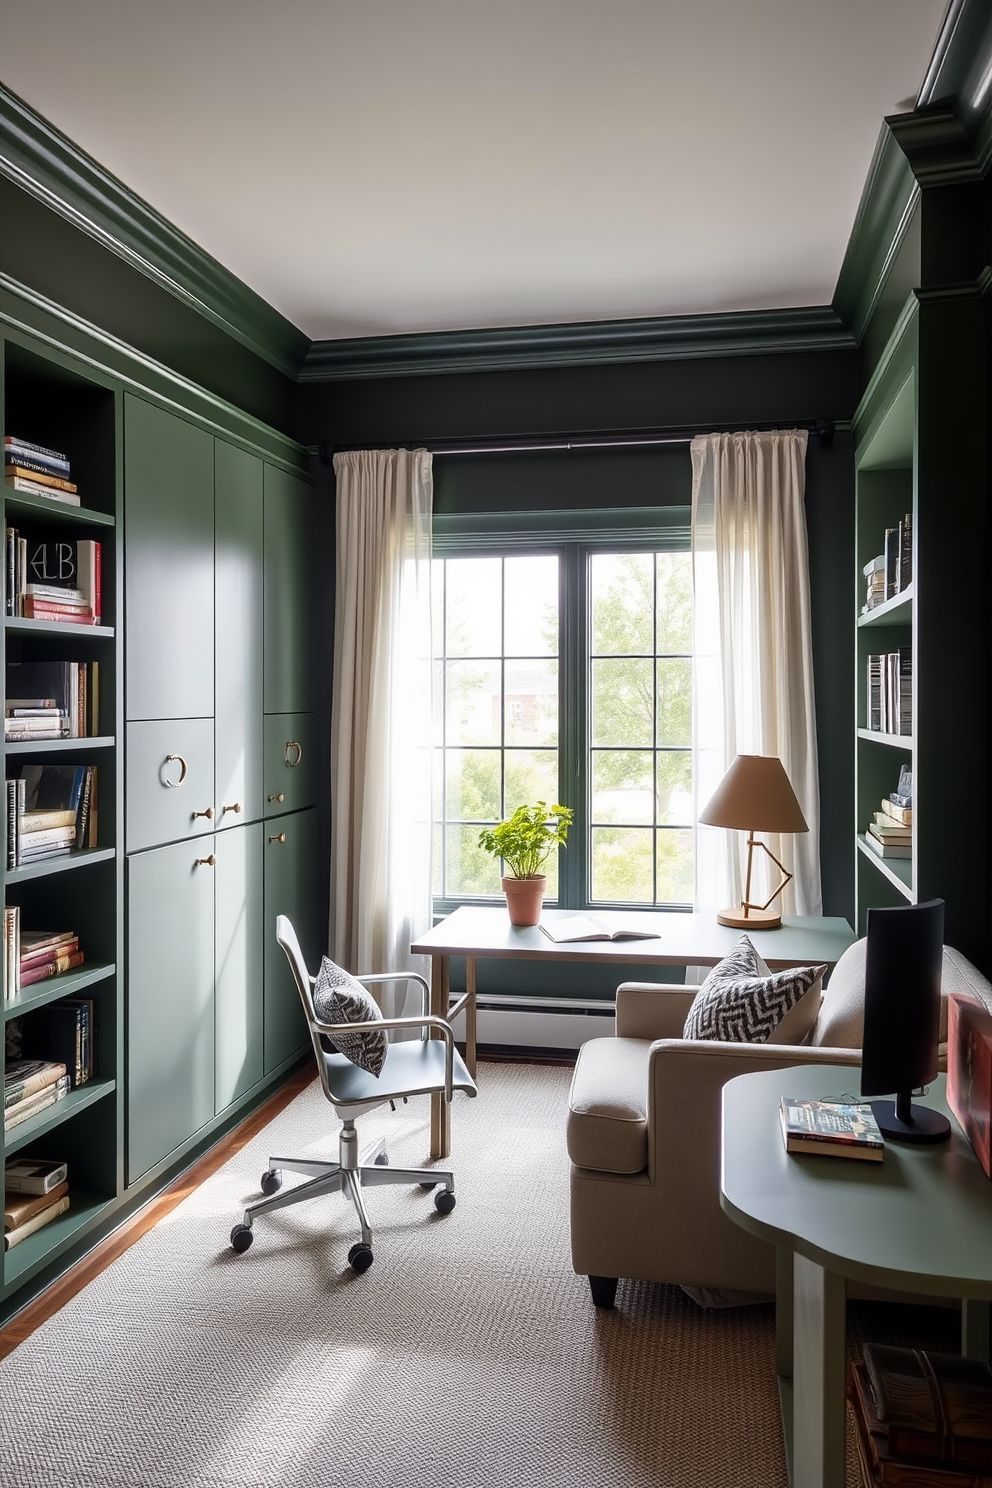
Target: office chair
[{"x": 421, "y": 1066}]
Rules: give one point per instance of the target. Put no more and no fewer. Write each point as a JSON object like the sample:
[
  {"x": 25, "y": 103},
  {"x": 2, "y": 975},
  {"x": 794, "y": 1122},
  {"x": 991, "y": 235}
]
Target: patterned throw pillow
[
  {"x": 741, "y": 1001},
  {"x": 339, "y": 998}
]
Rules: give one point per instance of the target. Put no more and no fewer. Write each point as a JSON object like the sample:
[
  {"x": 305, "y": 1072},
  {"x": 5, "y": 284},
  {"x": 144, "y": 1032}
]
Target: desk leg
[
  {"x": 819, "y": 1409},
  {"x": 440, "y": 1111},
  {"x": 470, "y": 1024},
  {"x": 976, "y": 1339}
]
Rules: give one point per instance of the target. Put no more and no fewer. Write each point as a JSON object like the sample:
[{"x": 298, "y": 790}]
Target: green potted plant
[{"x": 525, "y": 841}]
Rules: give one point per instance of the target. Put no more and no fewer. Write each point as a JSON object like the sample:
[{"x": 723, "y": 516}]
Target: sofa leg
[{"x": 604, "y": 1290}]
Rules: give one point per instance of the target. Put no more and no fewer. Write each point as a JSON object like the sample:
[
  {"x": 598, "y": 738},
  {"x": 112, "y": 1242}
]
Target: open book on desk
[{"x": 581, "y": 927}]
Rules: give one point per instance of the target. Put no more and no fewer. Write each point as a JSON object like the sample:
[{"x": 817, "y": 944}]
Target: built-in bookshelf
[{"x": 62, "y": 869}]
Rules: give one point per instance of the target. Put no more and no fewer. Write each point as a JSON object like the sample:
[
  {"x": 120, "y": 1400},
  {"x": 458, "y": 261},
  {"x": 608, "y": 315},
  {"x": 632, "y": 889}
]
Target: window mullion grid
[{"x": 573, "y": 733}]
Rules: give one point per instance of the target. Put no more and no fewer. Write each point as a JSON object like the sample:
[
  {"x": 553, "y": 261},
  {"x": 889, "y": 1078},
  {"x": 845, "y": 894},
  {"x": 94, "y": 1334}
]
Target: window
[{"x": 564, "y": 673}]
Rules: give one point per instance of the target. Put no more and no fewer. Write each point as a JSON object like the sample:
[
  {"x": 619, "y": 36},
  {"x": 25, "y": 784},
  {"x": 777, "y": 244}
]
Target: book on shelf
[
  {"x": 46, "y": 689},
  {"x": 33, "y": 1105},
  {"x": 34, "y": 488},
  {"x": 64, "y": 1031},
  {"x": 19, "y": 1208},
  {"x": 13, "y": 444},
  {"x": 31, "y": 1226},
  {"x": 923, "y": 1419},
  {"x": 32, "y": 470},
  {"x": 891, "y": 562},
  {"x": 886, "y": 832},
  {"x": 582, "y": 927},
  {"x": 61, "y": 788},
  {"x": 901, "y": 815},
  {"x": 906, "y": 551},
  {"x": 830, "y": 1129},
  {"x": 33, "y": 1175},
  {"x": 44, "y": 968},
  {"x": 969, "y": 1071},
  {"x": 18, "y": 458},
  {"x": 890, "y": 691},
  {"x": 25, "y": 1077},
  {"x": 888, "y": 849},
  {"x": 38, "y": 563}
]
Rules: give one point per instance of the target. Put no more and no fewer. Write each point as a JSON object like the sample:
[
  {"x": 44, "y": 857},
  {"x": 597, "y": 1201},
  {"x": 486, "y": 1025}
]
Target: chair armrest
[
  {"x": 652, "y": 1010},
  {"x": 378, "y": 977},
  {"x": 427, "y": 1021}
]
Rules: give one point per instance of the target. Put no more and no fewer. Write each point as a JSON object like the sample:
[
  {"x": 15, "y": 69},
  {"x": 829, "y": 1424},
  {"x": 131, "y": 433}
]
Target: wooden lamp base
[{"x": 751, "y": 919}]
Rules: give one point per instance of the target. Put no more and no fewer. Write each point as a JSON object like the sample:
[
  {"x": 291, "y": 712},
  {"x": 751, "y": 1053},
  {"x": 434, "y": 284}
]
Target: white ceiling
[{"x": 380, "y": 166}]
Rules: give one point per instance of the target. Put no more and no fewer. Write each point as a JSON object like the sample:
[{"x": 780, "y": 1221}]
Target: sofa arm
[
  {"x": 685, "y": 1081},
  {"x": 653, "y": 1010}
]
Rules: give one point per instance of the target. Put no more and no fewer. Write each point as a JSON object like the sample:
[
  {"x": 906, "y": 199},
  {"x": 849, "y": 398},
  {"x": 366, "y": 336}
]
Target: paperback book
[
  {"x": 581, "y": 927},
  {"x": 33, "y": 1175},
  {"x": 830, "y": 1129}
]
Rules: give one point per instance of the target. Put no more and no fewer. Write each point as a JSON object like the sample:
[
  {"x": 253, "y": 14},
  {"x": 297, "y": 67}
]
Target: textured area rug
[{"x": 469, "y": 1356}]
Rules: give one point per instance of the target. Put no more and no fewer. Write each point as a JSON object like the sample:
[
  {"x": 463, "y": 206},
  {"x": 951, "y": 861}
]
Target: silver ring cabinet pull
[
  {"x": 292, "y": 744},
  {"x": 235, "y": 806},
  {"x": 183, "y": 771},
  {"x": 209, "y": 862},
  {"x": 279, "y": 837},
  {"x": 209, "y": 814}
]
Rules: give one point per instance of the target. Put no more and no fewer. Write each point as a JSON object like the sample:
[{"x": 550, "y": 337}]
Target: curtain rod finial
[{"x": 825, "y": 431}]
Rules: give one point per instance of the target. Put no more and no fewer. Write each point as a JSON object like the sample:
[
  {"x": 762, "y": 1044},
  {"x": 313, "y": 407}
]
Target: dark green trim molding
[
  {"x": 960, "y": 72},
  {"x": 888, "y": 201},
  {"x": 41, "y": 322},
  {"x": 589, "y": 343},
  {"x": 42, "y": 161},
  {"x": 937, "y": 146}
]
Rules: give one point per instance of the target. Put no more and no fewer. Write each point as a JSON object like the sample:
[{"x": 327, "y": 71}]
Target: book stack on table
[
  {"x": 36, "y": 1191},
  {"x": 31, "y": 1086},
  {"x": 923, "y": 1420}
]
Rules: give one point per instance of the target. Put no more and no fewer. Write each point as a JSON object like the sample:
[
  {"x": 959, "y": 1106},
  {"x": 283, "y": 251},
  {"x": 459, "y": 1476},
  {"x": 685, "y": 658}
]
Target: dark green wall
[
  {"x": 700, "y": 394},
  {"x": 43, "y": 250}
]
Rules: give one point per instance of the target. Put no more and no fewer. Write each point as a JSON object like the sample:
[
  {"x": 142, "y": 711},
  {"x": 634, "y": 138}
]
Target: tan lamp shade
[{"x": 755, "y": 795}]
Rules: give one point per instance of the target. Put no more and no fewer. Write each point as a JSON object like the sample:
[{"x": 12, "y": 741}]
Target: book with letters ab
[
  {"x": 582, "y": 927},
  {"x": 830, "y": 1129}
]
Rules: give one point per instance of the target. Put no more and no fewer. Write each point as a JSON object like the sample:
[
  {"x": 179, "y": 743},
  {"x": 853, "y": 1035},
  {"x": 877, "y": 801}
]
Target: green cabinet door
[
  {"x": 169, "y": 564},
  {"x": 238, "y": 589},
  {"x": 292, "y": 569},
  {"x": 290, "y": 853},
  {"x": 170, "y": 1003},
  {"x": 169, "y": 770},
  {"x": 238, "y": 968}
]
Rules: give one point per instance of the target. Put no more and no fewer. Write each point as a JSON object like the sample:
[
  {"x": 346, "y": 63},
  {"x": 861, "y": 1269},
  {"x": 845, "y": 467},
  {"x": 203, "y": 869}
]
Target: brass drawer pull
[
  {"x": 183, "y": 770},
  {"x": 279, "y": 797},
  {"x": 208, "y": 861},
  {"x": 292, "y": 744},
  {"x": 209, "y": 814},
  {"x": 279, "y": 837},
  {"x": 235, "y": 807}
]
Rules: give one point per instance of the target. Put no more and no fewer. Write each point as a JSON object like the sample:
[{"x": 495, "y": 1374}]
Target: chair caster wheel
[
  {"x": 382, "y": 1161},
  {"x": 428, "y": 1186},
  {"x": 444, "y": 1202},
  {"x": 241, "y": 1238},
  {"x": 360, "y": 1258},
  {"x": 271, "y": 1181}
]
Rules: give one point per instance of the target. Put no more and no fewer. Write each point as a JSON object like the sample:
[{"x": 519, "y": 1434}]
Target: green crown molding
[
  {"x": 885, "y": 211},
  {"x": 41, "y": 160},
  {"x": 960, "y": 72},
  {"x": 582, "y": 344},
  {"x": 39, "y": 321},
  {"x": 939, "y": 149}
]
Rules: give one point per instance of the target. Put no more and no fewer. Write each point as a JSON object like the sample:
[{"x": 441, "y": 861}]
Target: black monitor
[{"x": 904, "y": 954}]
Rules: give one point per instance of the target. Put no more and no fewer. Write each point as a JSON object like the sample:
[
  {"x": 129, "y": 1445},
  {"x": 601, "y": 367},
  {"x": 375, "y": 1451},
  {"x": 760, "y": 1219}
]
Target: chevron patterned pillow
[
  {"x": 339, "y": 998},
  {"x": 742, "y": 1002}
]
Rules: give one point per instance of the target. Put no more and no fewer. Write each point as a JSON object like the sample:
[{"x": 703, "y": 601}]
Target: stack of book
[
  {"x": 51, "y": 699},
  {"x": 37, "y": 470},
  {"x": 54, "y": 579},
  {"x": 890, "y": 833},
  {"x": 31, "y": 1086},
  {"x": 874, "y": 572},
  {"x": 36, "y": 1191},
  {"x": 46, "y": 953},
  {"x": 51, "y": 811},
  {"x": 891, "y": 572}
]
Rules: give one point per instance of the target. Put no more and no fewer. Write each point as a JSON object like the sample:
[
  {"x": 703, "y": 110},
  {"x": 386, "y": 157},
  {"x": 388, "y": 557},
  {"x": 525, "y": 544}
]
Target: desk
[
  {"x": 679, "y": 940},
  {"x": 919, "y": 1221}
]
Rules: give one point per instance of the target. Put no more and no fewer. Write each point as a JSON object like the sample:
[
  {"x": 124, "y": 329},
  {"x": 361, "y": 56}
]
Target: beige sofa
[{"x": 644, "y": 1134}]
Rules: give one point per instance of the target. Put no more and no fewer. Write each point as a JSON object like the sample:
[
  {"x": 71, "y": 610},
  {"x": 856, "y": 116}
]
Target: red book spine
[
  {"x": 55, "y": 953},
  {"x": 50, "y": 969},
  {"x": 97, "y": 583},
  {"x": 36, "y": 610}
]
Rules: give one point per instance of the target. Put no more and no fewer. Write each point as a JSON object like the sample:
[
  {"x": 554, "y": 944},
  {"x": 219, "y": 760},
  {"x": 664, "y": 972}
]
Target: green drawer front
[
  {"x": 170, "y": 779},
  {"x": 239, "y": 973},
  {"x": 290, "y": 847},
  {"x": 170, "y": 1023},
  {"x": 290, "y": 762}
]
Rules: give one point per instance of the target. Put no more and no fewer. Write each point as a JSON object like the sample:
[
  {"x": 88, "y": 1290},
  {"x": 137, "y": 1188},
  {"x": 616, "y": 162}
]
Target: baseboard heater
[{"x": 541, "y": 1022}]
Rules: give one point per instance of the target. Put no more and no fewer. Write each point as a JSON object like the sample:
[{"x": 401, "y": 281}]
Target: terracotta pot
[{"x": 524, "y": 897}]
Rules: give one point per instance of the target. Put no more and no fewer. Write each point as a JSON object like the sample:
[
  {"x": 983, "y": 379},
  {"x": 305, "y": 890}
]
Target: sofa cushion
[
  {"x": 608, "y": 1106},
  {"x": 741, "y": 1001}
]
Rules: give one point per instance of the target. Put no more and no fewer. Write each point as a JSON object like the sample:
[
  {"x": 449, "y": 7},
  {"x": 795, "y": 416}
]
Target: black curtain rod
[{"x": 541, "y": 443}]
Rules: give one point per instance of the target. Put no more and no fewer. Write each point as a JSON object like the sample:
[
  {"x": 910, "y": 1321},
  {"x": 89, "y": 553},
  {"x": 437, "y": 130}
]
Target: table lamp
[{"x": 755, "y": 796}]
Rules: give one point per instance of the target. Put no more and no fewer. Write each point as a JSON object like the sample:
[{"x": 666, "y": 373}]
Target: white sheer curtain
[
  {"x": 381, "y": 713},
  {"x": 753, "y": 666}
]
